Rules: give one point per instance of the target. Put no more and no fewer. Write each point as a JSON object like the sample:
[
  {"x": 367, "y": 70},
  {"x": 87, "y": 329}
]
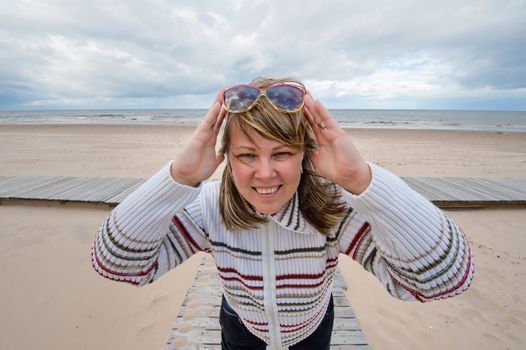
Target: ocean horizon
[{"x": 467, "y": 120}]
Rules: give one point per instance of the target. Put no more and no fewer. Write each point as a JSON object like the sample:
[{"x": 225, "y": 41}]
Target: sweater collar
[{"x": 291, "y": 218}]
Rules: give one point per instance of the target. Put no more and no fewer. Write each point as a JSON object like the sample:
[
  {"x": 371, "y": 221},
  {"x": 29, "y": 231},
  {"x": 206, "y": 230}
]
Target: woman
[{"x": 294, "y": 194}]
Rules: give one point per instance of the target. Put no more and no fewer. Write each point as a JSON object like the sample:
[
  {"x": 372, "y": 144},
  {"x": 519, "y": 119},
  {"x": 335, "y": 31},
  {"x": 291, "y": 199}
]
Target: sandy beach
[{"x": 54, "y": 300}]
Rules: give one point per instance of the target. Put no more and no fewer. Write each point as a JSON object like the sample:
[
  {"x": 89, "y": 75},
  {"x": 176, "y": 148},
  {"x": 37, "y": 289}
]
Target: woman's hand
[
  {"x": 199, "y": 159},
  {"x": 337, "y": 158}
]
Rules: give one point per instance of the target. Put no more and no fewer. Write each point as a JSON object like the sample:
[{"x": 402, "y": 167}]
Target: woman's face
[{"x": 266, "y": 172}]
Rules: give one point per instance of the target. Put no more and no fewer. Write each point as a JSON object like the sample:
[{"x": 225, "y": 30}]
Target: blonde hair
[{"x": 319, "y": 201}]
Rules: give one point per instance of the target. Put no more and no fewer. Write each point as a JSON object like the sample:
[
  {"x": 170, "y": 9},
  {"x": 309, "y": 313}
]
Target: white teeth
[{"x": 267, "y": 190}]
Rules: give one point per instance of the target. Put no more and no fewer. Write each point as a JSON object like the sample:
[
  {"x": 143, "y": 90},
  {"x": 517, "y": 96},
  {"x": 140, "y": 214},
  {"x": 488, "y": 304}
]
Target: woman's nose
[{"x": 265, "y": 169}]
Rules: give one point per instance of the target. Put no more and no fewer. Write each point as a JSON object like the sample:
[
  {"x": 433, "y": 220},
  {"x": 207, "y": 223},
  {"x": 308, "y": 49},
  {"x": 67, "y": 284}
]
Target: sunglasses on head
[{"x": 285, "y": 97}]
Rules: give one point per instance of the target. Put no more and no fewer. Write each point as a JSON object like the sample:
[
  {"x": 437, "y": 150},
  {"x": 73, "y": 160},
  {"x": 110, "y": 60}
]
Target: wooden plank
[
  {"x": 6, "y": 181},
  {"x": 345, "y": 337},
  {"x": 197, "y": 323},
  {"x": 205, "y": 322},
  {"x": 46, "y": 189},
  {"x": 84, "y": 189},
  {"x": 105, "y": 189},
  {"x": 70, "y": 190},
  {"x": 497, "y": 189},
  {"x": 350, "y": 324},
  {"x": 435, "y": 188},
  {"x": 117, "y": 198},
  {"x": 193, "y": 346},
  {"x": 518, "y": 185},
  {"x": 480, "y": 189},
  {"x": 469, "y": 192},
  {"x": 90, "y": 191},
  {"x": 118, "y": 187},
  {"x": 24, "y": 184},
  {"x": 420, "y": 188},
  {"x": 454, "y": 189},
  {"x": 10, "y": 187},
  {"x": 502, "y": 193},
  {"x": 45, "y": 192}
]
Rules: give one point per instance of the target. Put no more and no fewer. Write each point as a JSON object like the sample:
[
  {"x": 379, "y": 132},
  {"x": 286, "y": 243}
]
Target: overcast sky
[{"x": 417, "y": 54}]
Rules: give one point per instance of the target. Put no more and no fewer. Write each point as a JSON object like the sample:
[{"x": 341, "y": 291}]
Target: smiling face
[{"x": 265, "y": 172}]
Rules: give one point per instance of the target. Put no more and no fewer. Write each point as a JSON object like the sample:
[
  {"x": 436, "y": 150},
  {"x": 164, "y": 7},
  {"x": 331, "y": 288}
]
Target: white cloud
[{"x": 350, "y": 53}]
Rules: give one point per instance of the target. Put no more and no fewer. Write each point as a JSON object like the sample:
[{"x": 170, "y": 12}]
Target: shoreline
[
  {"x": 344, "y": 126},
  {"x": 194, "y": 125}
]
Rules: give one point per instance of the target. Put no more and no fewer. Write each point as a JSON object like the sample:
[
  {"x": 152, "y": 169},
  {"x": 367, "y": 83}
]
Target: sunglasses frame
[{"x": 263, "y": 92}]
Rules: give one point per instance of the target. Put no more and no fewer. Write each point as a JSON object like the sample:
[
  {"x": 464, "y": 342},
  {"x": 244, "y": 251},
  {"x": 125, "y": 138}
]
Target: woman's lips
[{"x": 267, "y": 190}]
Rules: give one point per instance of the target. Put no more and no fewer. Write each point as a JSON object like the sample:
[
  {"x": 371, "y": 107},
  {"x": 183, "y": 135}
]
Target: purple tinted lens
[
  {"x": 239, "y": 98},
  {"x": 286, "y": 97}
]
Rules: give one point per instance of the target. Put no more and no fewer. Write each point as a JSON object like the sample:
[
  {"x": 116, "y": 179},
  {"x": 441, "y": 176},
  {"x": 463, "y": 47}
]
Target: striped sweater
[{"x": 278, "y": 276}]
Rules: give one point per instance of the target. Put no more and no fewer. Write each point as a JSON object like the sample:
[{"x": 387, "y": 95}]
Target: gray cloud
[{"x": 382, "y": 54}]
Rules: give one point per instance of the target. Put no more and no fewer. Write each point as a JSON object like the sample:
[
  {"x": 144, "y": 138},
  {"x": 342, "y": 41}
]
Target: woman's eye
[
  {"x": 281, "y": 155},
  {"x": 247, "y": 156}
]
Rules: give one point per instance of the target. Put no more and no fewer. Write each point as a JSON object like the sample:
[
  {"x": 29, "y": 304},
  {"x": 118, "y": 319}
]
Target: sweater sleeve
[
  {"x": 154, "y": 229},
  {"x": 408, "y": 243}
]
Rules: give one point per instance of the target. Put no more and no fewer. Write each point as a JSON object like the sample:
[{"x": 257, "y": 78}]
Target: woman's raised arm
[{"x": 199, "y": 159}]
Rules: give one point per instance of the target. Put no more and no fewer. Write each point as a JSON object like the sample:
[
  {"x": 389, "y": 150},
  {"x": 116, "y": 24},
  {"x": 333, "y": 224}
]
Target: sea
[{"x": 494, "y": 121}]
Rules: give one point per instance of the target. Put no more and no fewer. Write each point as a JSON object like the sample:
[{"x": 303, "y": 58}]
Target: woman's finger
[
  {"x": 326, "y": 119},
  {"x": 323, "y": 117},
  {"x": 310, "y": 105},
  {"x": 318, "y": 126},
  {"x": 220, "y": 119},
  {"x": 210, "y": 119},
  {"x": 312, "y": 121}
]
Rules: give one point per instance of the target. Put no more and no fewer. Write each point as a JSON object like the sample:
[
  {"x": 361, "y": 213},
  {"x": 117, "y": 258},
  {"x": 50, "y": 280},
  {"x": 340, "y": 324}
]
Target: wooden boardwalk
[
  {"x": 101, "y": 190},
  {"x": 445, "y": 192},
  {"x": 197, "y": 325}
]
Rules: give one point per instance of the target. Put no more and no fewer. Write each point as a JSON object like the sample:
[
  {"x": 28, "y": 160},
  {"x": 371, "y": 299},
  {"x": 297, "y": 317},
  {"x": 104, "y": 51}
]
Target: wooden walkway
[
  {"x": 197, "y": 325},
  {"x": 100, "y": 190},
  {"x": 445, "y": 192}
]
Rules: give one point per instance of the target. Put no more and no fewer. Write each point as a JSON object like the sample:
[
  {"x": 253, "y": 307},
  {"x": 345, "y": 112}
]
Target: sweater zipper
[{"x": 269, "y": 285}]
